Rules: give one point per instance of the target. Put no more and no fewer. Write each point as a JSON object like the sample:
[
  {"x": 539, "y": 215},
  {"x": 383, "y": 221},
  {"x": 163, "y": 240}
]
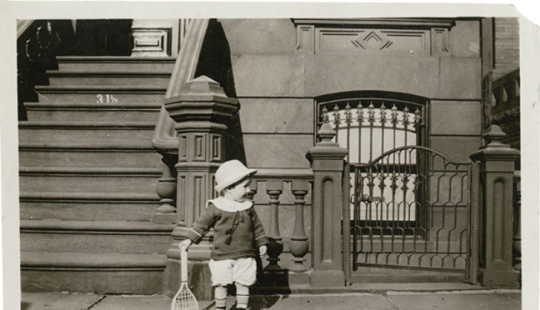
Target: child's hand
[
  {"x": 185, "y": 243},
  {"x": 262, "y": 250}
]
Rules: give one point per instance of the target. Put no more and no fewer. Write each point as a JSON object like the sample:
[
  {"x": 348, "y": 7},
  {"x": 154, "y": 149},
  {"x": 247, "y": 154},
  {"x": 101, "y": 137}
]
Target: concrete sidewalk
[{"x": 390, "y": 300}]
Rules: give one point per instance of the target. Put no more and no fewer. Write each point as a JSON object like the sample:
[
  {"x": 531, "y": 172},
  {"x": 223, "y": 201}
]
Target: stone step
[
  {"x": 88, "y": 206},
  {"x": 87, "y": 156},
  {"x": 75, "y": 133},
  {"x": 89, "y": 180},
  {"x": 115, "y": 63},
  {"x": 121, "y": 96},
  {"x": 38, "y": 111},
  {"x": 95, "y": 237},
  {"x": 109, "y": 78},
  {"x": 92, "y": 272}
]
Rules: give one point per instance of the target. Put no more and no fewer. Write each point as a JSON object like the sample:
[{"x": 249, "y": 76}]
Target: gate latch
[{"x": 366, "y": 198}]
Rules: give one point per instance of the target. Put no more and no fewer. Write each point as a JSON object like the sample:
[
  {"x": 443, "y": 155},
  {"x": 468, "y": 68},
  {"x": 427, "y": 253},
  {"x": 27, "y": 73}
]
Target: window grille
[{"x": 368, "y": 126}]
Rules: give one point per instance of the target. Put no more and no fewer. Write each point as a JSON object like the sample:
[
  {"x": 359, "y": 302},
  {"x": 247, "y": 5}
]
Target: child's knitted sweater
[{"x": 238, "y": 232}]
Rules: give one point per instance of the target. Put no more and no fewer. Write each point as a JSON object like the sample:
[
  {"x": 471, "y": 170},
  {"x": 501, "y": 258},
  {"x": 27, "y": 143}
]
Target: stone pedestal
[
  {"x": 200, "y": 113},
  {"x": 497, "y": 164},
  {"x": 327, "y": 164}
]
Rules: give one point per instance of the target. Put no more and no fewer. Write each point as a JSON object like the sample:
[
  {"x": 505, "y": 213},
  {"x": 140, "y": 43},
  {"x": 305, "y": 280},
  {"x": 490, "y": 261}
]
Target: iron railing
[{"x": 411, "y": 208}]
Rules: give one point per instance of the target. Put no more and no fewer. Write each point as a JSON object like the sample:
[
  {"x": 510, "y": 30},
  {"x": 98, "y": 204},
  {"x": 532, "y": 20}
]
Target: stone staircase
[{"x": 88, "y": 174}]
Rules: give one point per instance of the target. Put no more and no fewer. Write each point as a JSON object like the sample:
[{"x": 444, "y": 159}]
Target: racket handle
[{"x": 183, "y": 263}]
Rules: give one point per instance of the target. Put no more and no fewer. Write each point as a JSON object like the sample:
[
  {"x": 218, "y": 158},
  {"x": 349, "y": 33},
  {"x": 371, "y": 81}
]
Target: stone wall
[
  {"x": 278, "y": 76},
  {"x": 277, "y": 79}
]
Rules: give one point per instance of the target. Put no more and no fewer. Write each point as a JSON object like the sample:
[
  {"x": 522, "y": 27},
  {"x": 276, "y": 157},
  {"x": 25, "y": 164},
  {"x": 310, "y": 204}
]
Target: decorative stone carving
[
  {"x": 373, "y": 35},
  {"x": 151, "y": 42}
]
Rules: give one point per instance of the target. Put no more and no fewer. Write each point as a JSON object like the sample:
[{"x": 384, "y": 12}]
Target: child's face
[{"x": 239, "y": 191}]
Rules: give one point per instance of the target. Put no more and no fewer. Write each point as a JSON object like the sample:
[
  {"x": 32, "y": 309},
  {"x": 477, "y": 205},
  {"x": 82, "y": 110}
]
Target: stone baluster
[
  {"x": 299, "y": 241},
  {"x": 274, "y": 188},
  {"x": 166, "y": 190},
  {"x": 517, "y": 222},
  {"x": 252, "y": 190},
  {"x": 497, "y": 165}
]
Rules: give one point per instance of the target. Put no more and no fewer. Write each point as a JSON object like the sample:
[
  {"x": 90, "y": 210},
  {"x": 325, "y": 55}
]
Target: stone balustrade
[
  {"x": 505, "y": 109},
  {"x": 282, "y": 201}
]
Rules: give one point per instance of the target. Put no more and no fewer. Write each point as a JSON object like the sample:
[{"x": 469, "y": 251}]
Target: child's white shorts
[{"x": 240, "y": 270}]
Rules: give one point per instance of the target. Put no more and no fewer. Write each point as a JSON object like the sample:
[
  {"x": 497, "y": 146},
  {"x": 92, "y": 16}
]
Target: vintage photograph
[{"x": 270, "y": 163}]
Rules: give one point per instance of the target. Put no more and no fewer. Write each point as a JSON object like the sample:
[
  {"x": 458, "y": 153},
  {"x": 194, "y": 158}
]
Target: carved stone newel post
[
  {"x": 200, "y": 113},
  {"x": 327, "y": 164},
  {"x": 497, "y": 223}
]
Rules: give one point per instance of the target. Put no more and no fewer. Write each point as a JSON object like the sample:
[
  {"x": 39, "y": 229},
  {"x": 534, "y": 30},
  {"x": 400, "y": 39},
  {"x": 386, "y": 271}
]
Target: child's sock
[
  {"x": 220, "y": 296},
  {"x": 242, "y": 296}
]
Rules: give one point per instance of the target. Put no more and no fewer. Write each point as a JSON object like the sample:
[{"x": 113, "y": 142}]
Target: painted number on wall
[{"x": 106, "y": 99}]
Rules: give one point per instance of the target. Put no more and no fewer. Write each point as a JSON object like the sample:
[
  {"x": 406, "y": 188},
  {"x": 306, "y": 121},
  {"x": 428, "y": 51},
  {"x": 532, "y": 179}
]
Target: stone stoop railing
[
  {"x": 38, "y": 43},
  {"x": 165, "y": 139},
  {"x": 505, "y": 106}
]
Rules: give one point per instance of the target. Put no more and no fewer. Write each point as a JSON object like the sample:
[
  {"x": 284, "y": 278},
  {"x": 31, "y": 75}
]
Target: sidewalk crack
[
  {"x": 385, "y": 295},
  {"x": 97, "y": 302}
]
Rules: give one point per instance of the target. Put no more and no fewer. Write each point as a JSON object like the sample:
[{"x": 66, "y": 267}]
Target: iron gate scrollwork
[{"x": 411, "y": 208}]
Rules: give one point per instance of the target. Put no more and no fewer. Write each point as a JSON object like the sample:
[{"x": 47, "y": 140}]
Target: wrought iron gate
[{"x": 412, "y": 208}]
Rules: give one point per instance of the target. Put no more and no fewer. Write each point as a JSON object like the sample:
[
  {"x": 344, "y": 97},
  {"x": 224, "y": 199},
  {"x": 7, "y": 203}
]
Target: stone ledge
[
  {"x": 82, "y": 89},
  {"x": 83, "y": 196},
  {"x": 91, "y": 261},
  {"x": 98, "y": 171},
  {"x": 78, "y": 125},
  {"x": 108, "y": 227}
]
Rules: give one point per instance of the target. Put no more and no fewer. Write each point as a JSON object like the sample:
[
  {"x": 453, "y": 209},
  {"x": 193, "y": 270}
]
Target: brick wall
[
  {"x": 506, "y": 46},
  {"x": 506, "y": 57}
]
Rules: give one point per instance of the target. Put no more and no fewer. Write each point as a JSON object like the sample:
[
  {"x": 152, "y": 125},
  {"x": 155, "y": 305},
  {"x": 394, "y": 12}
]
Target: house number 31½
[{"x": 106, "y": 99}]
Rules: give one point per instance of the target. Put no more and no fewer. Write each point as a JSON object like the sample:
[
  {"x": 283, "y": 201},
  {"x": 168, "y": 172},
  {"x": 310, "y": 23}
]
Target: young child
[{"x": 238, "y": 233}]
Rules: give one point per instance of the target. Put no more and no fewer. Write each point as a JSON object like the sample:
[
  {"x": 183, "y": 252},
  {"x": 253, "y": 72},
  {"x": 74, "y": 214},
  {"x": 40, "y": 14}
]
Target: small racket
[{"x": 184, "y": 298}]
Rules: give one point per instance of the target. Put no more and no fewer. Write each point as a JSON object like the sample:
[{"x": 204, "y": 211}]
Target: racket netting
[{"x": 184, "y": 298}]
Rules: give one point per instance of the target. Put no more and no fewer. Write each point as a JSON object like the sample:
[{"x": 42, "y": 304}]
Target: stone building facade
[{"x": 316, "y": 106}]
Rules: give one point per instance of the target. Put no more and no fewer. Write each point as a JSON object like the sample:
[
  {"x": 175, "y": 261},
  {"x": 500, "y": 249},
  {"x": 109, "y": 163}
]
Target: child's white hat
[{"x": 231, "y": 172}]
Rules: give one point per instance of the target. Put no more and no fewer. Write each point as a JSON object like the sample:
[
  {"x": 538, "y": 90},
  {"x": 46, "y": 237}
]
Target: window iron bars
[{"x": 368, "y": 127}]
